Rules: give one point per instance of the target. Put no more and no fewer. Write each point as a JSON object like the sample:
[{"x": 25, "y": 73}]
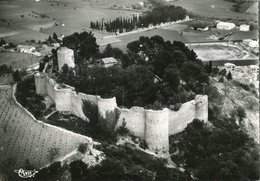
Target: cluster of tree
[
  {"x": 120, "y": 24},
  {"x": 84, "y": 46},
  {"x": 158, "y": 15},
  {"x": 154, "y": 74},
  {"x": 4, "y": 69},
  {"x": 172, "y": 62},
  {"x": 237, "y": 5},
  {"x": 122, "y": 163},
  {"x": 26, "y": 96},
  {"x": 220, "y": 152},
  {"x": 2, "y": 42},
  {"x": 196, "y": 24}
]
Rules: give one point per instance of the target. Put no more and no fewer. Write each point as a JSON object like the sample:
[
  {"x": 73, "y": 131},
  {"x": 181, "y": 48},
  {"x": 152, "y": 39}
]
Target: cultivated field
[
  {"x": 18, "y": 60},
  {"x": 220, "y": 51},
  {"x": 21, "y": 20},
  {"x": 22, "y": 138}
]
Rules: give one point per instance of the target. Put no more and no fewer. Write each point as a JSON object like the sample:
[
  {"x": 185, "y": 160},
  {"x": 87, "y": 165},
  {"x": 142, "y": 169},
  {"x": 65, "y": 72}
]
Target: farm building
[
  {"x": 25, "y": 49},
  {"x": 254, "y": 68},
  {"x": 229, "y": 67},
  {"x": 225, "y": 26},
  {"x": 247, "y": 41},
  {"x": 65, "y": 56},
  {"x": 254, "y": 44},
  {"x": 244, "y": 27},
  {"x": 107, "y": 62}
]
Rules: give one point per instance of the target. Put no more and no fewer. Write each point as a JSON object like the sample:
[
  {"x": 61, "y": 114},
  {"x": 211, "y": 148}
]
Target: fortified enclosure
[{"x": 152, "y": 126}]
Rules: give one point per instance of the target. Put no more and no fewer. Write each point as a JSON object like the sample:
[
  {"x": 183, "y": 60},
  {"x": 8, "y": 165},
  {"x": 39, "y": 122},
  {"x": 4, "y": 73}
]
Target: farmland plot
[{"x": 24, "y": 139}]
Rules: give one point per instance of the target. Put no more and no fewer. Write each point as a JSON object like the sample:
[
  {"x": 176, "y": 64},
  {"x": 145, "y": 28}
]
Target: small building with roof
[
  {"x": 225, "y": 26},
  {"x": 230, "y": 67},
  {"x": 25, "y": 49},
  {"x": 244, "y": 27},
  {"x": 107, "y": 62}
]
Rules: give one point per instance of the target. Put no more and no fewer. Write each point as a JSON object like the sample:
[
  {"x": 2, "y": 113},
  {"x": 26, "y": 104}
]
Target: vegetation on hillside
[{"x": 153, "y": 74}]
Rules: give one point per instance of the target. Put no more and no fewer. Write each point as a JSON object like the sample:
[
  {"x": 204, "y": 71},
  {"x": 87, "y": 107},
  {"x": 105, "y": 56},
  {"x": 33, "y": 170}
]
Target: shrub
[
  {"x": 53, "y": 153},
  {"x": 221, "y": 79},
  {"x": 122, "y": 130},
  {"x": 82, "y": 148},
  {"x": 90, "y": 110},
  {"x": 241, "y": 113}
]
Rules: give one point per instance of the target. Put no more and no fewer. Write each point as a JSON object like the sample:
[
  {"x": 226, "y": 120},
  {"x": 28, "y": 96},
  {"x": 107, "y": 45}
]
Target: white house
[
  {"x": 230, "y": 67},
  {"x": 244, "y": 27},
  {"x": 107, "y": 62},
  {"x": 247, "y": 41},
  {"x": 254, "y": 44},
  {"x": 25, "y": 49},
  {"x": 225, "y": 26},
  {"x": 254, "y": 68}
]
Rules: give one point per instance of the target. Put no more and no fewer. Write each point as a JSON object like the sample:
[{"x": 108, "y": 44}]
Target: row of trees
[
  {"x": 120, "y": 24},
  {"x": 156, "y": 16}
]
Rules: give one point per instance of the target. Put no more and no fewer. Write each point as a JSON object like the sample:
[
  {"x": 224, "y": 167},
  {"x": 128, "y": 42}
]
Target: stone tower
[{"x": 65, "y": 56}]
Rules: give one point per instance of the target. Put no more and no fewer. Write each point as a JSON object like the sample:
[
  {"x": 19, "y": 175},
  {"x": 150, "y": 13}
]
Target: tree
[
  {"x": 16, "y": 76},
  {"x": 117, "y": 53},
  {"x": 221, "y": 79},
  {"x": 251, "y": 101},
  {"x": 2, "y": 42},
  {"x": 82, "y": 148},
  {"x": 241, "y": 113},
  {"x": 171, "y": 75},
  {"x": 108, "y": 50},
  {"x": 55, "y": 37},
  {"x": 223, "y": 72},
  {"x": 65, "y": 68},
  {"x": 229, "y": 76},
  {"x": 134, "y": 46}
]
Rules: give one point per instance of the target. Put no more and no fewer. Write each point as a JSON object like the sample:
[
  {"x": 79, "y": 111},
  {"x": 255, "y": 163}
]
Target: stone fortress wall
[{"x": 152, "y": 126}]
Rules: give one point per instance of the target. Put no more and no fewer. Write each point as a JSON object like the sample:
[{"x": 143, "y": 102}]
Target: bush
[
  {"x": 82, "y": 148},
  {"x": 241, "y": 113},
  {"x": 122, "y": 130},
  {"x": 221, "y": 79}
]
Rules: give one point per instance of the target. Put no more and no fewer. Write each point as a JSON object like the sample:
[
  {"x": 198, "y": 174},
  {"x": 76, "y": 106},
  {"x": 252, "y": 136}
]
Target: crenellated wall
[
  {"x": 134, "y": 119},
  {"x": 65, "y": 98},
  {"x": 152, "y": 126},
  {"x": 178, "y": 120}
]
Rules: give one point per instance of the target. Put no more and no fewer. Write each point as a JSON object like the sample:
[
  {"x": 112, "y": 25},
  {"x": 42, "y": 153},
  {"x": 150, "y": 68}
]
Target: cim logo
[{"x": 26, "y": 173}]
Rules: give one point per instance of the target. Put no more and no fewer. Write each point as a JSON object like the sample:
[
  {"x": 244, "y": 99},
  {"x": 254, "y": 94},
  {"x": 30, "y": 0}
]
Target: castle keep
[{"x": 152, "y": 126}]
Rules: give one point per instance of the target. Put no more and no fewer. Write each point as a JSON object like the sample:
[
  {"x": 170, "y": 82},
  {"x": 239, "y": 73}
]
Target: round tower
[
  {"x": 157, "y": 130},
  {"x": 107, "y": 113},
  {"x": 201, "y": 107},
  {"x": 65, "y": 56},
  {"x": 40, "y": 84}
]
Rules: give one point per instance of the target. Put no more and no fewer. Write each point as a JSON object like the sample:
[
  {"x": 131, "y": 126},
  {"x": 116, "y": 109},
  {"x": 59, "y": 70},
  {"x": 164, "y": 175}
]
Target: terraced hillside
[{"x": 24, "y": 139}]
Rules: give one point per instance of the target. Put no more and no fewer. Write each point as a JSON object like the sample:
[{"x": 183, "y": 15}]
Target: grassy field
[
  {"x": 213, "y": 8},
  {"x": 17, "y": 60},
  {"x": 76, "y": 17},
  {"x": 170, "y": 35}
]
